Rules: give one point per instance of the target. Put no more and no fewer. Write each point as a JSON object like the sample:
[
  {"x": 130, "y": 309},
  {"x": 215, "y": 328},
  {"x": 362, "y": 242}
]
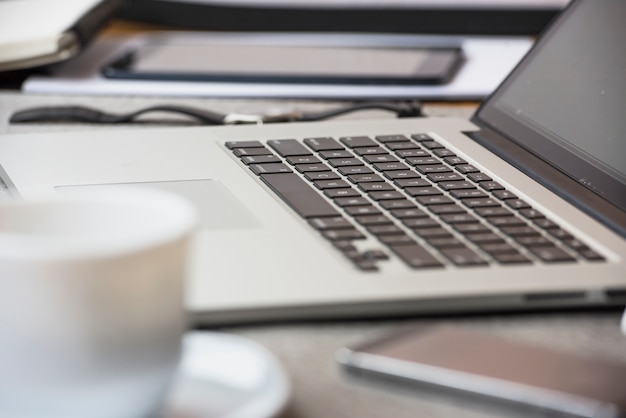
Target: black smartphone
[
  {"x": 204, "y": 61},
  {"x": 459, "y": 359}
]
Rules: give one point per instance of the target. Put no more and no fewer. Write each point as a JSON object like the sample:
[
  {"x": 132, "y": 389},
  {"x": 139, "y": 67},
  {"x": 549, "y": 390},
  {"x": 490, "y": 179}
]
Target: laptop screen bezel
[{"x": 582, "y": 171}]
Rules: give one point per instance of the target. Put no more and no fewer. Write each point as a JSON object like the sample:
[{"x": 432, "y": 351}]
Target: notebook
[
  {"x": 521, "y": 208},
  {"x": 37, "y": 32}
]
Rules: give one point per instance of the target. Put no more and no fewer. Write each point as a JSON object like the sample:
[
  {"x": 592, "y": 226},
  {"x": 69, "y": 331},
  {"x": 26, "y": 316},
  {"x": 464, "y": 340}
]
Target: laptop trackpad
[{"x": 217, "y": 207}]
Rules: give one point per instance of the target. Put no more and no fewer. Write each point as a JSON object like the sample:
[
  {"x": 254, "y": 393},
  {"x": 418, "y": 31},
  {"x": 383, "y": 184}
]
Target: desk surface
[{"x": 307, "y": 349}]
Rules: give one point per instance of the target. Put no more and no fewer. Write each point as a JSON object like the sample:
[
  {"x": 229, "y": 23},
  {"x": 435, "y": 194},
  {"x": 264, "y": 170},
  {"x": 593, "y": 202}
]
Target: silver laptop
[{"x": 522, "y": 208}]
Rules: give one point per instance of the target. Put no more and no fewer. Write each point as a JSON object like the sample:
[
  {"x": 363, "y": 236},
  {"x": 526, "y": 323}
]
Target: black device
[
  {"x": 476, "y": 363},
  {"x": 176, "y": 59}
]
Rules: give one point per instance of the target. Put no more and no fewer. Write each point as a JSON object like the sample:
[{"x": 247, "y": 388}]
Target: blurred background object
[{"x": 477, "y": 17}]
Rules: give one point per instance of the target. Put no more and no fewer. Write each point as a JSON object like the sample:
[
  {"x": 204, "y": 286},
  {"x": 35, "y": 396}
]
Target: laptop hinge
[{"x": 553, "y": 179}]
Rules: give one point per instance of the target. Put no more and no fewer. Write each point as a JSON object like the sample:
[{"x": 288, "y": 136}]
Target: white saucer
[{"x": 226, "y": 376}]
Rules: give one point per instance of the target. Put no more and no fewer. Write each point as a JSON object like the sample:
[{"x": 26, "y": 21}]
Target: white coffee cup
[{"x": 91, "y": 303}]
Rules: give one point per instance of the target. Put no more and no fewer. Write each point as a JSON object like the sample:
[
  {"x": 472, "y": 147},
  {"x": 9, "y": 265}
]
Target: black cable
[{"x": 90, "y": 115}]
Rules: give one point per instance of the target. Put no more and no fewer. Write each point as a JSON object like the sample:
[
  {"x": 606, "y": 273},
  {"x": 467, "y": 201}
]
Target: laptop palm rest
[{"x": 217, "y": 207}]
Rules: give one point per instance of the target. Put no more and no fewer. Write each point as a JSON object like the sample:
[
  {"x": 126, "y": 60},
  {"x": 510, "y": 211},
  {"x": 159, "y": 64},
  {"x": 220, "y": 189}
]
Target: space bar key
[{"x": 299, "y": 195}]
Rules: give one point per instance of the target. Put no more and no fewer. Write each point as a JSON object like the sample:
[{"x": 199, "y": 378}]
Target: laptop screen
[{"x": 566, "y": 101}]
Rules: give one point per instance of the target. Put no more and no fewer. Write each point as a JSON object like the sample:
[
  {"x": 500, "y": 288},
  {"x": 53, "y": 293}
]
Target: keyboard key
[
  {"x": 431, "y": 145},
  {"x": 415, "y": 256},
  {"x": 373, "y": 220},
  {"x": 336, "y": 154},
  {"x": 445, "y": 177},
  {"x": 531, "y": 214},
  {"x": 396, "y": 146},
  {"x": 434, "y": 200},
  {"x": 343, "y": 234},
  {"x": 517, "y": 204},
  {"x": 455, "y": 185},
  {"x": 519, "y": 231},
  {"x": 334, "y": 222},
  {"x": 334, "y": 193},
  {"x": 243, "y": 144},
  {"x": 426, "y": 169},
  {"x": 412, "y": 153},
  {"x": 560, "y": 233},
  {"x": 391, "y": 138},
  {"x": 545, "y": 223},
  {"x": 380, "y": 158},
  {"x": 409, "y": 213},
  {"x": 386, "y": 195},
  {"x": 427, "y": 233},
  {"x": 551, "y": 254},
  {"x": 463, "y": 256},
  {"x": 414, "y": 182},
  {"x": 348, "y": 171},
  {"x": 370, "y": 151},
  {"x": 331, "y": 184},
  {"x": 402, "y": 174},
  {"x": 365, "y": 178},
  {"x": 455, "y": 160},
  {"x": 481, "y": 203},
  {"x": 299, "y": 195},
  {"x": 288, "y": 147},
  {"x": 260, "y": 159},
  {"x": 416, "y": 223},
  {"x": 390, "y": 166},
  {"x": 308, "y": 168},
  {"x": 511, "y": 258},
  {"x": 506, "y": 221},
  {"x": 352, "y": 201},
  {"x": 378, "y": 186},
  {"x": 466, "y": 169},
  {"x": 422, "y": 191},
  {"x": 385, "y": 230},
  {"x": 345, "y": 162},
  {"x": 375, "y": 254},
  {"x": 358, "y": 141},
  {"x": 396, "y": 240},
  {"x": 491, "y": 186},
  {"x": 591, "y": 255},
  {"x": 498, "y": 248},
  {"x": 321, "y": 175},
  {"x": 533, "y": 241},
  {"x": 485, "y": 238},
  {"x": 322, "y": 144},
  {"x": 459, "y": 218},
  {"x": 303, "y": 159},
  {"x": 269, "y": 168},
  {"x": 445, "y": 242},
  {"x": 422, "y": 137},
  {"x": 478, "y": 177},
  {"x": 362, "y": 210},
  {"x": 493, "y": 211},
  {"x": 241, "y": 152},
  {"x": 443, "y": 153},
  {"x": 465, "y": 194},
  {"x": 471, "y": 228},
  {"x": 397, "y": 204},
  {"x": 446, "y": 209},
  {"x": 422, "y": 161},
  {"x": 504, "y": 194}
]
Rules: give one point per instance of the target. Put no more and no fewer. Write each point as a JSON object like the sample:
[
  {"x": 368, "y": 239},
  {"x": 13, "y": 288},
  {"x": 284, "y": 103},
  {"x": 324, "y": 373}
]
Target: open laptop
[{"x": 522, "y": 208}]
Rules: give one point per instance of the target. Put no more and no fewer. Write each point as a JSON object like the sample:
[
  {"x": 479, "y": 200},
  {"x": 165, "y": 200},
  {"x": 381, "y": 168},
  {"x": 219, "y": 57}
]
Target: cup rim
[{"x": 178, "y": 220}]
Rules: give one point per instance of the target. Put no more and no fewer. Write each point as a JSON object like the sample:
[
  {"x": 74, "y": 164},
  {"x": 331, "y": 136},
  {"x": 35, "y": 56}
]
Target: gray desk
[{"x": 306, "y": 349}]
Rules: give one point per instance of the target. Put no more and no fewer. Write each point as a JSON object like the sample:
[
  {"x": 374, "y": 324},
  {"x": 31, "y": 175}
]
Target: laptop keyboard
[{"x": 418, "y": 199}]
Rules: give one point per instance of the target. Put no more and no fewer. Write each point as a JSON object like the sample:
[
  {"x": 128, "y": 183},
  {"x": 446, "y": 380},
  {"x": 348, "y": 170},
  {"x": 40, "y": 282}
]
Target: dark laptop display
[{"x": 575, "y": 120}]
